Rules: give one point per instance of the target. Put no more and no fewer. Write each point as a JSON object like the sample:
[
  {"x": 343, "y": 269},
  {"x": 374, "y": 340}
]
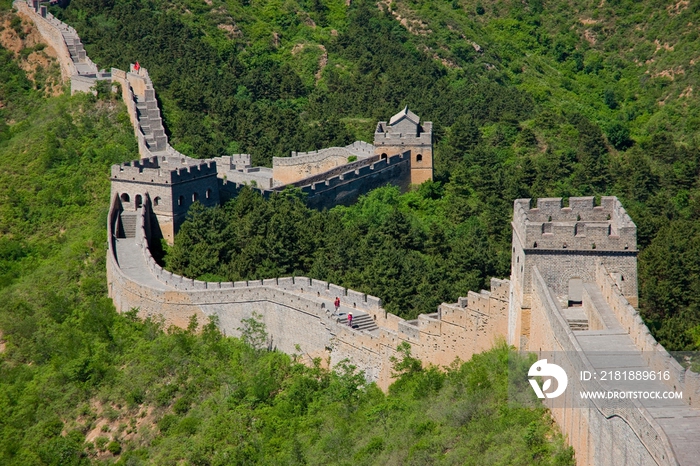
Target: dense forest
[
  {"x": 81, "y": 384},
  {"x": 529, "y": 99}
]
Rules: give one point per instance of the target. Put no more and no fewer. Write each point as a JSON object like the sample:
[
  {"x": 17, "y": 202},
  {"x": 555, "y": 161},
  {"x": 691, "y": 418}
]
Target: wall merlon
[
  {"x": 286, "y": 282},
  {"x": 500, "y": 289},
  {"x": 355, "y": 298},
  {"x": 408, "y": 331},
  {"x": 373, "y": 302},
  {"x": 336, "y": 290},
  {"x": 477, "y": 302},
  {"x": 429, "y": 325}
]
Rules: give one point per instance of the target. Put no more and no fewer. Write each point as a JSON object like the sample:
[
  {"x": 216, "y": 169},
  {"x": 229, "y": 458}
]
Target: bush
[{"x": 114, "y": 447}]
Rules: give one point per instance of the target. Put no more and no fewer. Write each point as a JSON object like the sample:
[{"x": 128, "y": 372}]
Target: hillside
[{"x": 81, "y": 384}]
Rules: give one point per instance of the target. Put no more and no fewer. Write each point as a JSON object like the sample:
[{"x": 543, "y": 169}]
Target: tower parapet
[{"x": 580, "y": 226}]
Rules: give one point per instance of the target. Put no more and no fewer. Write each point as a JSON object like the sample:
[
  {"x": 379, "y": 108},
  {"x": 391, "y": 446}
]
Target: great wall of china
[{"x": 571, "y": 294}]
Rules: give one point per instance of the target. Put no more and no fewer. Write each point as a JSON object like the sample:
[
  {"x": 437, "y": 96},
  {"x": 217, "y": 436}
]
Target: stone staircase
[
  {"x": 150, "y": 121},
  {"x": 84, "y": 66},
  {"x": 128, "y": 224},
  {"x": 576, "y": 318},
  {"x": 360, "y": 321},
  {"x": 578, "y": 324}
]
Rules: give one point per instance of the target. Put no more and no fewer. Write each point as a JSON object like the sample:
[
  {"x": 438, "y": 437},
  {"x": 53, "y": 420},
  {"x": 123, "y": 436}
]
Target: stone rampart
[
  {"x": 119, "y": 76},
  {"x": 656, "y": 356},
  {"x": 338, "y": 171},
  {"x": 151, "y": 171},
  {"x": 386, "y": 135},
  {"x": 257, "y": 176},
  {"x": 303, "y": 165},
  {"x": 344, "y": 189},
  {"x": 53, "y": 37},
  {"x": 600, "y": 435},
  {"x": 580, "y": 226},
  {"x": 296, "y": 310}
]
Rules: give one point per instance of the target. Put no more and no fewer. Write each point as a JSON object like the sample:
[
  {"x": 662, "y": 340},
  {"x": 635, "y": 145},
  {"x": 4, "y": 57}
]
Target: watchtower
[
  {"x": 566, "y": 244},
  {"x": 405, "y": 132},
  {"x": 173, "y": 184}
]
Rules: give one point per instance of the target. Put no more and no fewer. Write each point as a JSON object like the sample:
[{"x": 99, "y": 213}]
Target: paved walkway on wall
[
  {"x": 613, "y": 349},
  {"x": 133, "y": 263}
]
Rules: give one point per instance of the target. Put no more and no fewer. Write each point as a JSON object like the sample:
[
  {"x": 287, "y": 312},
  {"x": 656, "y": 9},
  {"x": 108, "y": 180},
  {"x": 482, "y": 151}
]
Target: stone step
[
  {"x": 360, "y": 321},
  {"x": 578, "y": 324},
  {"x": 128, "y": 224}
]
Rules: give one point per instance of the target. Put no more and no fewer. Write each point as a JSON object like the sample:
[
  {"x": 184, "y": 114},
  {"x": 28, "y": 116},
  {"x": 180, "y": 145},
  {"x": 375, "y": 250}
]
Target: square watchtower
[
  {"x": 405, "y": 132},
  {"x": 173, "y": 183},
  {"x": 566, "y": 244}
]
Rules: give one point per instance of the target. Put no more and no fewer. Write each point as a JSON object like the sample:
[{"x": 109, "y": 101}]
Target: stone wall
[
  {"x": 347, "y": 187},
  {"x": 655, "y": 355},
  {"x": 599, "y": 435},
  {"x": 52, "y": 36},
  {"x": 296, "y": 312},
  {"x": 304, "y": 165}
]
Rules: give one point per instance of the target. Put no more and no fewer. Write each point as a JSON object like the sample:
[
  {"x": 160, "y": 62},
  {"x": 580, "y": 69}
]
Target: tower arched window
[
  {"x": 208, "y": 194},
  {"x": 195, "y": 196},
  {"x": 156, "y": 201},
  {"x": 180, "y": 200},
  {"x": 138, "y": 201},
  {"x": 383, "y": 157},
  {"x": 419, "y": 158},
  {"x": 124, "y": 197}
]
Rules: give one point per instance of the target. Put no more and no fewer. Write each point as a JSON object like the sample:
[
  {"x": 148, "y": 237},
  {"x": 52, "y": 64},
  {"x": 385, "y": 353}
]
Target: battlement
[
  {"x": 357, "y": 148},
  {"x": 163, "y": 170},
  {"x": 387, "y": 135},
  {"x": 349, "y": 172},
  {"x": 404, "y": 128},
  {"x": 579, "y": 226},
  {"x": 233, "y": 162}
]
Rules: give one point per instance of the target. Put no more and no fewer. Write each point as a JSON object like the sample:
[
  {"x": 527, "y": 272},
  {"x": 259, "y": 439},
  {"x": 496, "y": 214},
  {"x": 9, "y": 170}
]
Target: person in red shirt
[
  {"x": 137, "y": 67},
  {"x": 337, "y": 304},
  {"x": 350, "y": 319}
]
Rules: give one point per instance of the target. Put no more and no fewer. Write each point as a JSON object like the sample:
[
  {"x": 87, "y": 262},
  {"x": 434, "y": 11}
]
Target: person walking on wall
[
  {"x": 350, "y": 319},
  {"x": 337, "y": 304}
]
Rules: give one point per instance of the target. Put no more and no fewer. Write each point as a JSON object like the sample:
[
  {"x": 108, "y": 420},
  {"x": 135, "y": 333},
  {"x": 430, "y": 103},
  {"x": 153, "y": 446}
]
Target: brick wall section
[
  {"x": 296, "y": 312},
  {"x": 656, "y": 355},
  {"x": 600, "y": 435},
  {"x": 304, "y": 165},
  {"x": 52, "y": 36}
]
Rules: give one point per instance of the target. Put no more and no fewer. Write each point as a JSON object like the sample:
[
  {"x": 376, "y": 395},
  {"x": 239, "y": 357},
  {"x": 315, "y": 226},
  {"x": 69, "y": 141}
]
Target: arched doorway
[
  {"x": 124, "y": 197},
  {"x": 138, "y": 201},
  {"x": 383, "y": 157}
]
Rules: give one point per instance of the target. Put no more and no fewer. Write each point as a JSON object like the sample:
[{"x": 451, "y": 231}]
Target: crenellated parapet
[
  {"x": 579, "y": 226},
  {"x": 162, "y": 170}
]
